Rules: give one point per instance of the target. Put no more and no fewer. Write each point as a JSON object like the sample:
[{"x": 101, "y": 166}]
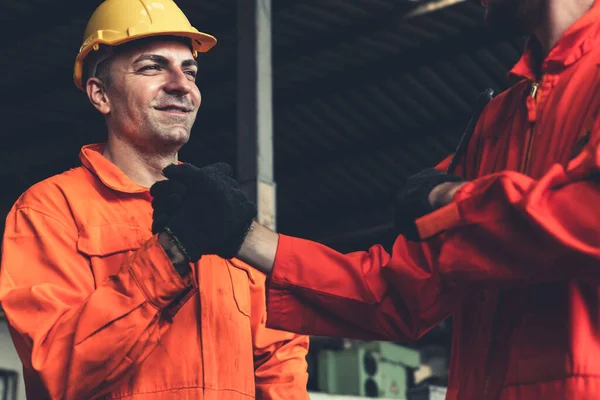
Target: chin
[
  {"x": 177, "y": 140},
  {"x": 175, "y": 133}
]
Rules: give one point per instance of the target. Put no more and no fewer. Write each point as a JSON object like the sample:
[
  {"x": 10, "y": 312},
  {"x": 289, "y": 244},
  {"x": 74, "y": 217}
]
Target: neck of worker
[
  {"x": 557, "y": 16},
  {"x": 143, "y": 166}
]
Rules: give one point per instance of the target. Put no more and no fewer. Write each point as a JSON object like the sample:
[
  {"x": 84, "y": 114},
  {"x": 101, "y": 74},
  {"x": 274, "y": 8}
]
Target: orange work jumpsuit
[
  {"x": 97, "y": 310},
  {"x": 515, "y": 258}
]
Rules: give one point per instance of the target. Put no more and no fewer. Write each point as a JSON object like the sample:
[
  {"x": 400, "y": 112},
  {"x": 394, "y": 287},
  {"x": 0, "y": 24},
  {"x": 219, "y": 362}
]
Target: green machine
[{"x": 372, "y": 369}]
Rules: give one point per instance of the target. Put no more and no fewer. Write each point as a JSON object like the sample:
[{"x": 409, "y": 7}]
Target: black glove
[
  {"x": 203, "y": 209},
  {"x": 412, "y": 201}
]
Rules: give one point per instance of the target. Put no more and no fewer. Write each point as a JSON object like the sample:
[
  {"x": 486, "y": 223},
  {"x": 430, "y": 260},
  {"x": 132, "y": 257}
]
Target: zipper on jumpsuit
[
  {"x": 532, "y": 117},
  {"x": 531, "y": 103}
]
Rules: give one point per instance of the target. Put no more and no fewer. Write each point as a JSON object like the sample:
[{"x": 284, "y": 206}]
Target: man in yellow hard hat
[{"x": 98, "y": 305}]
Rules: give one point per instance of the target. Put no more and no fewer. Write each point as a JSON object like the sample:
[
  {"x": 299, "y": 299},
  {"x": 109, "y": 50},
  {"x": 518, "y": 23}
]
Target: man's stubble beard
[{"x": 161, "y": 139}]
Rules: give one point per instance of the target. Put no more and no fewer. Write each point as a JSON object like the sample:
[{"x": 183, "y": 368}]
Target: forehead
[{"x": 173, "y": 50}]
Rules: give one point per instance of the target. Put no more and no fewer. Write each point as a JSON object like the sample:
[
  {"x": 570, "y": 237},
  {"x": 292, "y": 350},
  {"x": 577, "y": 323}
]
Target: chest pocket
[
  {"x": 107, "y": 246},
  {"x": 241, "y": 279}
]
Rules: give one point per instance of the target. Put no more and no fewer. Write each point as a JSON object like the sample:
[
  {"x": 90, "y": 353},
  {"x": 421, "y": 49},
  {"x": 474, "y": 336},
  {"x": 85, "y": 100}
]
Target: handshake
[{"x": 202, "y": 209}]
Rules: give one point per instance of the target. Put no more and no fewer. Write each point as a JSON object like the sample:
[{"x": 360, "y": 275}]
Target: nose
[{"x": 178, "y": 83}]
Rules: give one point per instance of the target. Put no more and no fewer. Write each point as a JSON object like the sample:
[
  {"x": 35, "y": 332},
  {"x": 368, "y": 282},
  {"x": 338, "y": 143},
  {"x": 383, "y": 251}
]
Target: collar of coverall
[
  {"x": 91, "y": 157},
  {"x": 577, "y": 40}
]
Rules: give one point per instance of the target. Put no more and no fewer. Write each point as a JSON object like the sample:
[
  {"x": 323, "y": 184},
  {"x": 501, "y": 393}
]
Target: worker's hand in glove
[
  {"x": 421, "y": 194},
  {"x": 203, "y": 209}
]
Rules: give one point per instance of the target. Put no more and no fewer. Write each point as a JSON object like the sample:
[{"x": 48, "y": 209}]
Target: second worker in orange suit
[{"x": 512, "y": 252}]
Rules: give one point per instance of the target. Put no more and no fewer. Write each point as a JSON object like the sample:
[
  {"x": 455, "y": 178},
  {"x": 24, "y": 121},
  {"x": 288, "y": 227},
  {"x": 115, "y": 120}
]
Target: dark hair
[{"x": 103, "y": 67}]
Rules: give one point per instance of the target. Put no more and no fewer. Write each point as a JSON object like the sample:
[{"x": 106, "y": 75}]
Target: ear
[{"x": 96, "y": 91}]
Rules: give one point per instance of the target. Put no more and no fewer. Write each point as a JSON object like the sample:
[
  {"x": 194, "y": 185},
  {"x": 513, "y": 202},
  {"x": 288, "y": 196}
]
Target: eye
[
  {"x": 192, "y": 73},
  {"x": 151, "y": 67}
]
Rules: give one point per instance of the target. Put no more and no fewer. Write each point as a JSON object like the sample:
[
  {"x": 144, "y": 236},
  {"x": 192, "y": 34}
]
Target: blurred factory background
[{"x": 364, "y": 93}]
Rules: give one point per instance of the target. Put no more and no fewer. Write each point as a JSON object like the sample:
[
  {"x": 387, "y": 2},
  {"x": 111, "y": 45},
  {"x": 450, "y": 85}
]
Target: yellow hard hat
[{"x": 119, "y": 21}]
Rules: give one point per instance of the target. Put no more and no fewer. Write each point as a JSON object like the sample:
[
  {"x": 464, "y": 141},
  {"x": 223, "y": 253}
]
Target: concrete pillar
[{"x": 255, "y": 107}]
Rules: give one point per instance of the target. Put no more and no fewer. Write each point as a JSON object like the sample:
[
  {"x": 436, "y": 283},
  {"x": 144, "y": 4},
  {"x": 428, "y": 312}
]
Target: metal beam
[{"x": 255, "y": 107}]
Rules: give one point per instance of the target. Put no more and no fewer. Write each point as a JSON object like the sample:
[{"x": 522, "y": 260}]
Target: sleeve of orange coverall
[
  {"x": 368, "y": 295},
  {"x": 279, "y": 357},
  {"x": 81, "y": 338},
  {"x": 507, "y": 226},
  {"x": 500, "y": 228}
]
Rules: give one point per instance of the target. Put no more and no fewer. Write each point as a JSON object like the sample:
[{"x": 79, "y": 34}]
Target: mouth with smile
[{"x": 174, "y": 109}]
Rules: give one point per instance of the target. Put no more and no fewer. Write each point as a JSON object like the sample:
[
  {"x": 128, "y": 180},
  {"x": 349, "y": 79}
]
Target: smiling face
[{"x": 150, "y": 98}]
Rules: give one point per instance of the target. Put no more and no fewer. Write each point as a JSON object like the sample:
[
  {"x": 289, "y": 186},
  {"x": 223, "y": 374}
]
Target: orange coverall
[
  {"x": 515, "y": 258},
  {"x": 97, "y": 310}
]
